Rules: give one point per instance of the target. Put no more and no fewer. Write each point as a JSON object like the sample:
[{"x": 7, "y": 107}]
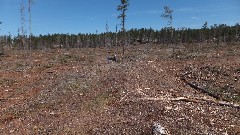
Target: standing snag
[
  {"x": 1, "y": 46},
  {"x": 30, "y": 23},
  {"x": 0, "y": 23},
  {"x": 23, "y": 21}
]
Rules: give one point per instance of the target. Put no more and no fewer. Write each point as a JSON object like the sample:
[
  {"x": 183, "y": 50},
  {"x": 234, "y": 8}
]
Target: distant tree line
[{"x": 214, "y": 34}]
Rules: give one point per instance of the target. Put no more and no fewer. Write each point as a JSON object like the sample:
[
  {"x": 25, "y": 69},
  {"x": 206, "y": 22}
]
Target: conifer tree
[
  {"x": 204, "y": 32},
  {"x": 168, "y": 16},
  {"x": 123, "y": 8}
]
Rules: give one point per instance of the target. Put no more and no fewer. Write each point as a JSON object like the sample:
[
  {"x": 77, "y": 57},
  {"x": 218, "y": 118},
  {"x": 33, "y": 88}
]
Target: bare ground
[{"x": 78, "y": 92}]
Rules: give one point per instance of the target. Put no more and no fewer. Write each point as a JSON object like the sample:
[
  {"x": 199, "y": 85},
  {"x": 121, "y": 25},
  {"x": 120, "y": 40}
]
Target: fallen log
[
  {"x": 202, "y": 90},
  {"x": 221, "y": 102}
]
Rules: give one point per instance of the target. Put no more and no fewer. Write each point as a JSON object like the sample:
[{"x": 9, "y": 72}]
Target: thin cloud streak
[
  {"x": 199, "y": 10},
  {"x": 195, "y": 26},
  {"x": 185, "y": 9},
  {"x": 195, "y": 18},
  {"x": 155, "y": 12},
  {"x": 150, "y": 12}
]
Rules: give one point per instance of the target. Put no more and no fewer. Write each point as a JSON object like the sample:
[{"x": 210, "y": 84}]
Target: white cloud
[
  {"x": 198, "y": 10},
  {"x": 154, "y": 12},
  {"x": 195, "y": 18},
  {"x": 114, "y": 15},
  {"x": 145, "y": 12},
  {"x": 92, "y": 18},
  {"x": 194, "y": 26},
  {"x": 213, "y": 15},
  {"x": 184, "y": 9}
]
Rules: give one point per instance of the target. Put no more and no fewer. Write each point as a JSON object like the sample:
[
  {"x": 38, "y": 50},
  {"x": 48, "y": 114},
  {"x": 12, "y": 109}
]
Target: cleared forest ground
[{"x": 79, "y": 92}]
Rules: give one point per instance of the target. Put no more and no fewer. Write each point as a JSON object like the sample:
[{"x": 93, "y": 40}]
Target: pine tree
[
  {"x": 123, "y": 8},
  {"x": 168, "y": 16},
  {"x": 204, "y": 32}
]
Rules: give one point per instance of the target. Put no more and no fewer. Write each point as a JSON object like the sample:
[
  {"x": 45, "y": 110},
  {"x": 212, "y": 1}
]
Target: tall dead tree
[
  {"x": 107, "y": 40},
  {"x": 1, "y": 44},
  {"x": 30, "y": 24},
  {"x": 123, "y": 8},
  {"x": 23, "y": 20},
  {"x": 237, "y": 29},
  {"x": 0, "y": 23}
]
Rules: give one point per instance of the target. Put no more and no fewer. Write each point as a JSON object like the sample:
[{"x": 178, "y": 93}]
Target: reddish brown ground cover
[{"x": 77, "y": 91}]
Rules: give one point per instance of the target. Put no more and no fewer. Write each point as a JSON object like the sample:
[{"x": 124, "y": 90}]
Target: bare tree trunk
[
  {"x": 30, "y": 26},
  {"x": 1, "y": 46},
  {"x": 22, "y": 24}
]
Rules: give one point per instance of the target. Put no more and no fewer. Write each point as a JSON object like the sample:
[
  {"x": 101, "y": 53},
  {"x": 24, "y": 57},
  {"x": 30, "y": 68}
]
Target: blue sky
[{"x": 87, "y": 16}]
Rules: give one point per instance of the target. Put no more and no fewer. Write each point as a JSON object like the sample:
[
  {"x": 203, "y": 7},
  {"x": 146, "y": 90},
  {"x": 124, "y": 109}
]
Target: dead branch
[
  {"x": 4, "y": 99},
  {"x": 123, "y": 97},
  {"x": 194, "y": 100},
  {"x": 172, "y": 99}
]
